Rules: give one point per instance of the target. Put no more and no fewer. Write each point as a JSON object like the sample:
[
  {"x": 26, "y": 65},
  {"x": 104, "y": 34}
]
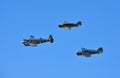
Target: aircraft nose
[
  {"x": 60, "y": 26},
  {"x": 23, "y": 41}
]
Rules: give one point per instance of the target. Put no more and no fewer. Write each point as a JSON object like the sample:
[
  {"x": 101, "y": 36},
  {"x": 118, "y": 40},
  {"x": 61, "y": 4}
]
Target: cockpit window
[{"x": 84, "y": 50}]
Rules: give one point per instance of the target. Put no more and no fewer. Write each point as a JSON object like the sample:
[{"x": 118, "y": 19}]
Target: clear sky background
[{"x": 100, "y": 28}]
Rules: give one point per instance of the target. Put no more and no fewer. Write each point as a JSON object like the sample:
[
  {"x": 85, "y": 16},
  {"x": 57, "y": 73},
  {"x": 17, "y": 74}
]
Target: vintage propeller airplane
[
  {"x": 33, "y": 42},
  {"x": 68, "y": 25},
  {"x": 88, "y": 53}
]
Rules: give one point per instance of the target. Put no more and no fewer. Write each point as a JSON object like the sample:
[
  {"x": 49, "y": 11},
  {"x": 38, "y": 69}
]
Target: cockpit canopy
[{"x": 84, "y": 49}]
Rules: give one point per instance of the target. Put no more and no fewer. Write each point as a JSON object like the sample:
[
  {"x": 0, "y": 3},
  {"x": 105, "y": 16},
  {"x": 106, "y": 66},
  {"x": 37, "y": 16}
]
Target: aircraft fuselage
[{"x": 68, "y": 25}]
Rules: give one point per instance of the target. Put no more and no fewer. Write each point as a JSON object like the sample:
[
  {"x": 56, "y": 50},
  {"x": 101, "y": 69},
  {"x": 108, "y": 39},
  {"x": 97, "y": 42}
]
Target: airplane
[
  {"x": 66, "y": 25},
  {"x": 88, "y": 53},
  {"x": 33, "y": 42}
]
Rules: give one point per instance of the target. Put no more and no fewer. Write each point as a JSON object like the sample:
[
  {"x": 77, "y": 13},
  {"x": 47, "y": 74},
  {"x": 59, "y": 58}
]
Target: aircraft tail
[
  {"x": 51, "y": 39},
  {"x": 100, "y": 50},
  {"x": 79, "y": 23}
]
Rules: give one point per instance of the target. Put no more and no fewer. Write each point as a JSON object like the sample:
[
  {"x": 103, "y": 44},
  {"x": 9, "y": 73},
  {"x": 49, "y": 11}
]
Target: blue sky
[{"x": 100, "y": 28}]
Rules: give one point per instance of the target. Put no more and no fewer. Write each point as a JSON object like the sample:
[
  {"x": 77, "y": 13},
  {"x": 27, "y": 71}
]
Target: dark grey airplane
[
  {"x": 68, "y": 26},
  {"x": 33, "y": 42},
  {"x": 87, "y": 52}
]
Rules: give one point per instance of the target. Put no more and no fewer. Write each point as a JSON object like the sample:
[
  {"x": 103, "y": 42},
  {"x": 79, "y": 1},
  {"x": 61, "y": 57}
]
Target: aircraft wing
[
  {"x": 31, "y": 37},
  {"x": 67, "y": 28},
  {"x": 87, "y": 55}
]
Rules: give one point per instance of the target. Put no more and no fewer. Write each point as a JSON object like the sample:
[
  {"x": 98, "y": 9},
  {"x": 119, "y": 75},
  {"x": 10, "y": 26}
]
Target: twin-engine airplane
[
  {"x": 87, "y": 52},
  {"x": 68, "y": 26},
  {"x": 33, "y": 42}
]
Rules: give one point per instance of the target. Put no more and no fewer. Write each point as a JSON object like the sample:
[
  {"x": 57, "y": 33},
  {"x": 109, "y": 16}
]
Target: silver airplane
[
  {"x": 33, "y": 42},
  {"x": 87, "y": 52},
  {"x": 68, "y": 26}
]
